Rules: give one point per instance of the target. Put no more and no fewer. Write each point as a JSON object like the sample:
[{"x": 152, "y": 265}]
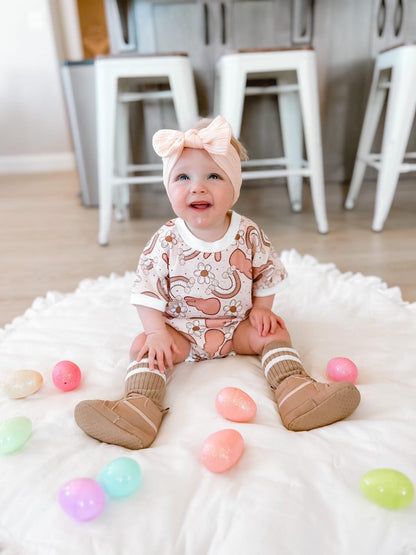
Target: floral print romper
[{"x": 205, "y": 289}]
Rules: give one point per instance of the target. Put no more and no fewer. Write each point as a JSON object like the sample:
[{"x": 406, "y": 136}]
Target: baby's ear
[{"x": 240, "y": 148}]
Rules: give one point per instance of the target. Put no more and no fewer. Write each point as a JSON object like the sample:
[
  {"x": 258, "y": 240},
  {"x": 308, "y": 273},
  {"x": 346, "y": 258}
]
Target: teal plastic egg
[
  {"x": 14, "y": 433},
  {"x": 389, "y": 488},
  {"x": 121, "y": 477}
]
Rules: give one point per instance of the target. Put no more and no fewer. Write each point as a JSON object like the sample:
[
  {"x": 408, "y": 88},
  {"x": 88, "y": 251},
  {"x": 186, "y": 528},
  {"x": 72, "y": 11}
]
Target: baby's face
[{"x": 201, "y": 193}]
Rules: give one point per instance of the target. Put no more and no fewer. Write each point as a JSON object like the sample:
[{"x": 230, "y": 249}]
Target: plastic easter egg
[
  {"x": 14, "y": 433},
  {"x": 22, "y": 383},
  {"x": 234, "y": 404},
  {"x": 121, "y": 477},
  {"x": 66, "y": 375},
  {"x": 82, "y": 498},
  {"x": 222, "y": 450},
  {"x": 341, "y": 369},
  {"x": 389, "y": 488}
]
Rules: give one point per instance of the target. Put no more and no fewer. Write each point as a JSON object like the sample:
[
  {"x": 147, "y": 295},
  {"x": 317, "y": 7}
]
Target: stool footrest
[
  {"x": 374, "y": 161},
  {"x": 282, "y": 161},
  {"x": 302, "y": 170},
  {"x": 265, "y": 174},
  {"x": 149, "y": 95},
  {"x": 270, "y": 89},
  {"x": 143, "y": 167},
  {"x": 137, "y": 180}
]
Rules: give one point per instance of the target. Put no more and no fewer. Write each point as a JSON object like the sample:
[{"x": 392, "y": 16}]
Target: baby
[{"x": 204, "y": 288}]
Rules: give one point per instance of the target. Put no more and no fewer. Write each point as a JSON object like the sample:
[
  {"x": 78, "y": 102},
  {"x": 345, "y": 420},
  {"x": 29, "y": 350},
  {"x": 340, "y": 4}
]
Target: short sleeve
[
  {"x": 268, "y": 270},
  {"x": 149, "y": 287}
]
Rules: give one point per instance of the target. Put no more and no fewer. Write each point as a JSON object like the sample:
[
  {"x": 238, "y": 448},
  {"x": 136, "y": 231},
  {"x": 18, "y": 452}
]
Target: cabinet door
[
  {"x": 388, "y": 24},
  {"x": 342, "y": 40},
  {"x": 409, "y": 22},
  {"x": 256, "y": 23},
  {"x": 179, "y": 26}
]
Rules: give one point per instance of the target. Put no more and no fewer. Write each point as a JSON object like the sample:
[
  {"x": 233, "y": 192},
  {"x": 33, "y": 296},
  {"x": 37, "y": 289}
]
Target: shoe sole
[
  {"x": 337, "y": 407},
  {"x": 97, "y": 425}
]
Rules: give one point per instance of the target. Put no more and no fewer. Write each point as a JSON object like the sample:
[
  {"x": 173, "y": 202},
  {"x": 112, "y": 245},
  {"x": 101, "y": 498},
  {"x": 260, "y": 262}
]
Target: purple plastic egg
[{"x": 82, "y": 498}]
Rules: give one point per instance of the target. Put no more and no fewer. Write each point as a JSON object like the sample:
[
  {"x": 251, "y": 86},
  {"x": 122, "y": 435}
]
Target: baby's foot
[
  {"x": 132, "y": 422},
  {"x": 305, "y": 404}
]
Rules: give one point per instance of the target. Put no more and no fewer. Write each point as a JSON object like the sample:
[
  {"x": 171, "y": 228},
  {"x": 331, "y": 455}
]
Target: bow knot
[
  {"x": 215, "y": 139},
  {"x": 192, "y": 139}
]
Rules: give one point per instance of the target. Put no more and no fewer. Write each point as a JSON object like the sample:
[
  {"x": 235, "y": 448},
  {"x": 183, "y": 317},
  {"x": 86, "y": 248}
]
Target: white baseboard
[{"x": 38, "y": 163}]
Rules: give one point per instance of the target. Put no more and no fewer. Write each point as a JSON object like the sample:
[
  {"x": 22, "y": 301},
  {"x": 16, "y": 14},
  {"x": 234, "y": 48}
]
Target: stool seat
[
  {"x": 113, "y": 74},
  {"x": 295, "y": 73},
  {"x": 278, "y": 49},
  {"x": 394, "y": 83}
]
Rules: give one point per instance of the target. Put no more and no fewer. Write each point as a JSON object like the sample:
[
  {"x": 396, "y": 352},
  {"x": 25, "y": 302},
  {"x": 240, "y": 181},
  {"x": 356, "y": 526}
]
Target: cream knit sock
[
  {"x": 140, "y": 380},
  {"x": 280, "y": 361}
]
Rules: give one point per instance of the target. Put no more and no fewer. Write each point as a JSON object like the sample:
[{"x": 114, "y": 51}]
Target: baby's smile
[{"x": 200, "y": 205}]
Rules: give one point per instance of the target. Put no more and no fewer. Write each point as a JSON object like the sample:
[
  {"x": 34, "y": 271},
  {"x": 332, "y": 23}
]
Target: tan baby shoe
[
  {"x": 305, "y": 404},
  {"x": 132, "y": 422}
]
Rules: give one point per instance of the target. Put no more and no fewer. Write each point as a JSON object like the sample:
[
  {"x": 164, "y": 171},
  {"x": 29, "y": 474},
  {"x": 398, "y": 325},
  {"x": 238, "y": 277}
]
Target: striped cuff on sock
[
  {"x": 276, "y": 356},
  {"x": 280, "y": 361},
  {"x": 137, "y": 367}
]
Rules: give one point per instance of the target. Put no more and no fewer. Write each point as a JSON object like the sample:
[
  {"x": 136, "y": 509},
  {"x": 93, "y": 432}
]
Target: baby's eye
[
  {"x": 182, "y": 177},
  {"x": 214, "y": 176}
]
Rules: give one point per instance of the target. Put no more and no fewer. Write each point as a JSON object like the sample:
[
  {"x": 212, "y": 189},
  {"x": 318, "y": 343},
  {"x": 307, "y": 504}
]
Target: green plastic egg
[
  {"x": 389, "y": 488},
  {"x": 14, "y": 433}
]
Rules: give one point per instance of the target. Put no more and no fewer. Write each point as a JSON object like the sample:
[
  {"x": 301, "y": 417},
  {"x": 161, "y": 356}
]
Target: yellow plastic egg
[
  {"x": 389, "y": 488},
  {"x": 22, "y": 383}
]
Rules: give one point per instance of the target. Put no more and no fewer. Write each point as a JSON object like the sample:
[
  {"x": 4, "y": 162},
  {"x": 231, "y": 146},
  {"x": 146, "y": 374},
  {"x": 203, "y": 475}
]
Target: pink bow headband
[{"x": 215, "y": 139}]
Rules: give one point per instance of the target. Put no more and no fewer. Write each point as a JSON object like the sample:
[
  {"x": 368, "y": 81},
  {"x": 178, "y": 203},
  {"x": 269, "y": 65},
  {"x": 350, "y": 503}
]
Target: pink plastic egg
[
  {"x": 234, "y": 404},
  {"x": 66, "y": 375},
  {"x": 222, "y": 450},
  {"x": 82, "y": 498},
  {"x": 341, "y": 369}
]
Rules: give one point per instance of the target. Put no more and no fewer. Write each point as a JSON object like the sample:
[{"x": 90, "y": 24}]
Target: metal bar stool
[
  {"x": 395, "y": 73},
  {"x": 297, "y": 91},
  {"x": 112, "y": 98}
]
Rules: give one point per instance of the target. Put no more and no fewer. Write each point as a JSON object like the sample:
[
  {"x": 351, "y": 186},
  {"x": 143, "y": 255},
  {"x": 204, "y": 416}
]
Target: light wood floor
[{"x": 48, "y": 239}]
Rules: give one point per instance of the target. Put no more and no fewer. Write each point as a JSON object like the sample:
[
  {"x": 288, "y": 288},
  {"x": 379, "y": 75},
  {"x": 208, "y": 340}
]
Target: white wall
[{"x": 34, "y": 132}]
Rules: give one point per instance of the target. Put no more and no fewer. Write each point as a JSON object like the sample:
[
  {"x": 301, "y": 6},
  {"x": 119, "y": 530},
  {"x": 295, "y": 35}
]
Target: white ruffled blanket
[{"x": 290, "y": 493}]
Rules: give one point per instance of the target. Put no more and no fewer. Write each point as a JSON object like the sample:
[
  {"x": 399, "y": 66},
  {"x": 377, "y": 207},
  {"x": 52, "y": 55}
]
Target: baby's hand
[
  {"x": 159, "y": 347},
  {"x": 265, "y": 321}
]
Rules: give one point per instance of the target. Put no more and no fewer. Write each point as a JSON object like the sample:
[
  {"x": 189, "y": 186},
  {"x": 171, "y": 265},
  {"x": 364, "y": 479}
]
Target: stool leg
[
  {"x": 182, "y": 85},
  {"x": 230, "y": 92},
  {"x": 106, "y": 99},
  {"x": 292, "y": 135},
  {"x": 401, "y": 106},
  {"x": 121, "y": 192},
  {"x": 309, "y": 100},
  {"x": 375, "y": 105}
]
